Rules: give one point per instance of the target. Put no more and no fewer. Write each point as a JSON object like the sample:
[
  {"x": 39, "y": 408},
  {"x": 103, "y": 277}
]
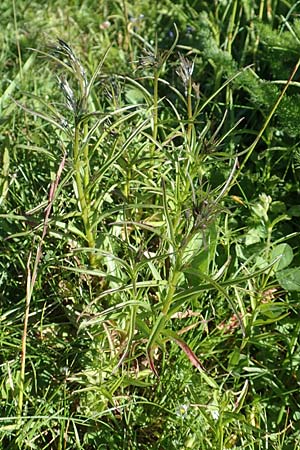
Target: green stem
[
  {"x": 172, "y": 287},
  {"x": 127, "y": 40},
  {"x": 84, "y": 205},
  {"x": 155, "y": 111},
  {"x": 259, "y": 17},
  {"x": 189, "y": 111},
  {"x": 24, "y": 342},
  {"x": 231, "y": 27},
  {"x": 86, "y": 168}
]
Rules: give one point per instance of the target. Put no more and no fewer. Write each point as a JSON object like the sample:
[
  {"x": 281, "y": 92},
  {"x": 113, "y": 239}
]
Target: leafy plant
[{"x": 152, "y": 170}]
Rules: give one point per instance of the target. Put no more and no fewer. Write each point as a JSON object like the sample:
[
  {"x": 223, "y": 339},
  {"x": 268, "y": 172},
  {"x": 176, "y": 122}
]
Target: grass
[{"x": 149, "y": 203}]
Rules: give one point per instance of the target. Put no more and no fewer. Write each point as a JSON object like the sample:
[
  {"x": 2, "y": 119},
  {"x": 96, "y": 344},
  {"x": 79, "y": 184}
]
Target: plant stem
[
  {"x": 172, "y": 287},
  {"x": 189, "y": 111},
  {"x": 82, "y": 196},
  {"x": 86, "y": 168},
  {"x": 127, "y": 40},
  {"x": 17, "y": 40},
  {"x": 24, "y": 341},
  {"x": 231, "y": 27},
  {"x": 155, "y": 111}
]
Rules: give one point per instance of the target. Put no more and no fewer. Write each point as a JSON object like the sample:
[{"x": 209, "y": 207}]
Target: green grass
[{"x": 149, "y": 185}]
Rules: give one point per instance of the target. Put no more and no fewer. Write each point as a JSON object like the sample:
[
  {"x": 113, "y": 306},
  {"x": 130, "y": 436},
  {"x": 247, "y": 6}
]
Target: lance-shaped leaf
[
  {"x": 191, "y": 355},
  {"x": 154, "y": 340},
  {"x": 184, "y": 346}
]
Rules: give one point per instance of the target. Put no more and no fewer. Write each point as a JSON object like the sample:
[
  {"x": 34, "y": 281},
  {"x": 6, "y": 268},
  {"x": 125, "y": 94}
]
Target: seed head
[
  {"x": 185, "y": 71},
  {"x": 68, "y": 93}
]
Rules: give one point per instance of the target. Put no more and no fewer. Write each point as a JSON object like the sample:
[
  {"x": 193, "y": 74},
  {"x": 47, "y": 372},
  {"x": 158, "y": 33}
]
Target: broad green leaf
[
  {"x": 261, "y": 209},
  {"x": 193, "y": 249},
  {"x": 262, "y": 322},
  {"x": 255, "y": 235},
  {"x": 234, "y": 358},
  {"x": 284, "y": 254},
  {"x": 294, "y": 211},
  {"x": 134, "y": 96},
  {"x": 261, "y": 263},
  {"x": 272, "y": 310},
  {"x": 289, "y": 279}
]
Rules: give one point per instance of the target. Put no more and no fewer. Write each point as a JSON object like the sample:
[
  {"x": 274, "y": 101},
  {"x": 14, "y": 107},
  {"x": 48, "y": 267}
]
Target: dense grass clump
[{"x": 149, "y": 260}]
